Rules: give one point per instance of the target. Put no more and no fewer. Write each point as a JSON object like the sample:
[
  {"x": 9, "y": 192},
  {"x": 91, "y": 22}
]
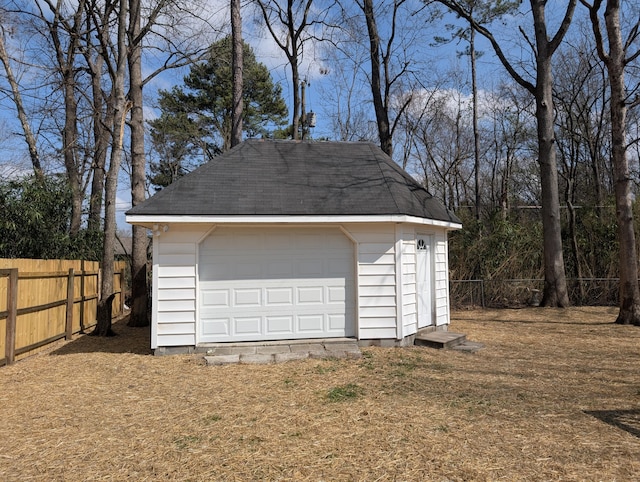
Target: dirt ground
[{"x": 554, "y": 395}]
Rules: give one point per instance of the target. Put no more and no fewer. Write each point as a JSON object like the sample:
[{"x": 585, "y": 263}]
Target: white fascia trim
[{"x": 150, "y": 221}]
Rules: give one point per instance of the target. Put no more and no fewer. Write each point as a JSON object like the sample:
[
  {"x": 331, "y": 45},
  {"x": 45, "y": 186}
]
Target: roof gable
[{"x": 268, "y": 177}]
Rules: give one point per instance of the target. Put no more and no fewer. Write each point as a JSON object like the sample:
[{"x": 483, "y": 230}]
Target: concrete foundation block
[
  {"x": 222, "y": 359},
  {"x": 320, "y": 354},
  {"x": 257, "y": 359},
  {"x": 272, "y": 349},
  {"x": 309, "y": 347},
  {"x": 173, "y": 350},
  {"x": 291, "y": 356},
  {"x": 232, "y": 350}
]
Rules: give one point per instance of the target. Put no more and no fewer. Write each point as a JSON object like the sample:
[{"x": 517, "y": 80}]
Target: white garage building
[{"x": 283, "y": 240}]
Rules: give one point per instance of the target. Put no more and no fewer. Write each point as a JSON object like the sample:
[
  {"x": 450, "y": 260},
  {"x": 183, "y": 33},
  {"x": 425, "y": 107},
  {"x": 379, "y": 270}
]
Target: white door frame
[{"x": 425, "y": 279}]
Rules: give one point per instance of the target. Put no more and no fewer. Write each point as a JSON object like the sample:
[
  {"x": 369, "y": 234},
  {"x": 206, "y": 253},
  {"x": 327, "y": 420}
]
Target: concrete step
[{"x": 440, "y": 339}]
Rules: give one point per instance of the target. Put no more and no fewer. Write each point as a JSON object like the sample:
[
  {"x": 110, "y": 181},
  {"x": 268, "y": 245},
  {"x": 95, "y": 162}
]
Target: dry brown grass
[{"x": 555, "y": 395}]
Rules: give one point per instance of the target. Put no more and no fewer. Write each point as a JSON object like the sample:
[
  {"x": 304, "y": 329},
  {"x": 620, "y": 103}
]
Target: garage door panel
[
  {"x": 250, "y": 325},
  {"x": 276, "y": 283},
  {"x": 215, "y": 298},
  {"x": 279, "y": 296},
  {"x": 336, "y": 322},
  {"x": 276, "y": 325},
  {"x": 218, "y": 327},
  {"x": 311, "y": 323},
  {"x": 310, "y": 295},
  {"x": 247, "y": 297}
]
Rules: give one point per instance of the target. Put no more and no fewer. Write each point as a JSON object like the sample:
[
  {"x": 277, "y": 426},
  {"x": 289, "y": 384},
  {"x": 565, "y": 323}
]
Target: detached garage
[{"x": 285, "y": 240}]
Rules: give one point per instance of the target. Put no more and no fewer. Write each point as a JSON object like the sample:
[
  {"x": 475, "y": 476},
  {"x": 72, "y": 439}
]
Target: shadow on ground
[
  {"x": 627, "y": 420},
  {"x": 129, "y": 340}
]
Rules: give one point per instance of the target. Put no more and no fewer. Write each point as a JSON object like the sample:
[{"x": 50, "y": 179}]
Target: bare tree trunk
[
  {"x": 476, "y": 130},
  {"x": 382, "y": 116},
  {"x": 101, "y": 136},
  {"x": 103, "y": 326},
  {"x": 139, "y": 313},
  {"x": 102, "y": 118},
  {"x": 615, "y": 61},
  {"x": 555, "y": 284},
  {"x": 70, "y": 148},
  {"x": 237, "y": 66},
  {"x": 22, "y": 115}
]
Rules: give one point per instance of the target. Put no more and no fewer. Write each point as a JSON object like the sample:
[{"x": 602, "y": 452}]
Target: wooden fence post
[
  {"x": 12, "y": 312},
  {"x": 82, "y": 300},
  {"x": 121, "y": 291},
  {"x": 70, "y": 300}
]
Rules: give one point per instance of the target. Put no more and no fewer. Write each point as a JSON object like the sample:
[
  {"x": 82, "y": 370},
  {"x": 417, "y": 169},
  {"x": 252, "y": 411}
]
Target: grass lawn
[{"x": 554, "y": 395}]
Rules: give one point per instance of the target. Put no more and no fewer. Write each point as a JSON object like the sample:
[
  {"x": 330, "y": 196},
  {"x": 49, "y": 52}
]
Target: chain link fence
[{"x": 514, "y": 293}]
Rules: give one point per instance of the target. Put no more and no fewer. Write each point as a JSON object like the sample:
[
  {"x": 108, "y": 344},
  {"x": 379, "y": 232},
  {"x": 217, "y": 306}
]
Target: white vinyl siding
[
  {"x": 175, "y": 287},
  {"x": 442, "y": 279},
  {"x": 376, "y": 280}
]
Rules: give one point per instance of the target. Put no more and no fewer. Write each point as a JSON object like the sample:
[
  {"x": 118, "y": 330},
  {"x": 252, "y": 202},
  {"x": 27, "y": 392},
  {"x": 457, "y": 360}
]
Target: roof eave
[{"x": 150, "y": 220}]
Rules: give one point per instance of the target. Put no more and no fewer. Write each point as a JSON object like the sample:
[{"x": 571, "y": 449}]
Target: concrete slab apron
[{"x": 279, "y": 352}]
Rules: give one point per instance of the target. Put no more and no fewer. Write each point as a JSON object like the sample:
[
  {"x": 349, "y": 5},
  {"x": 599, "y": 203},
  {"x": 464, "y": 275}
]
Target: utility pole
[{"x": 303, "y": 111}]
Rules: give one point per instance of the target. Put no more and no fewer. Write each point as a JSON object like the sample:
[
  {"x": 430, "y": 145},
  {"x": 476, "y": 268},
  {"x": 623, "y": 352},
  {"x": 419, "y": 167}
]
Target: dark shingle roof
[{"x": 267, "y": 177}]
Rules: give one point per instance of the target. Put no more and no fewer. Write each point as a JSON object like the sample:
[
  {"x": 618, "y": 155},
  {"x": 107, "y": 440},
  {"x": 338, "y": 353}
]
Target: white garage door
[{"x": 276, "y": 283}]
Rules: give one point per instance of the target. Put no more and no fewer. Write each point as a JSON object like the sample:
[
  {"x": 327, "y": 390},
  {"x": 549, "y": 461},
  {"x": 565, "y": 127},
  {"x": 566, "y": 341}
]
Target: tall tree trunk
[
  {"x": 70, "y": 148},
  {"x": 295, "y": 80},
  {"x": 237, "y": 66},
  {"x": 382, "y": 116},
  {"x": 476, "y": 130},
  {"x": 22, "y": 115},
  {"x": 628, "y": 258},
  {"x": 102, "y": 118},
  {"x": 555, "y": 283},
  {"x": 103, "y": 325},
  {"x": 615, "y": 60},
  {"x": 139, "y": 313}
]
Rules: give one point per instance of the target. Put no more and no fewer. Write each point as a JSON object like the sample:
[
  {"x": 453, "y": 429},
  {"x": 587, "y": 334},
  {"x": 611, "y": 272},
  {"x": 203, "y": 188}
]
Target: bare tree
[
  {"x": 555, "y": 285},
  {"x": 616, "y": 59},
  {"x": 292, "y": 24},
  {"x": 383, "y": 75},
  {"x": 65, "y": 34},
  {"x": 581, "y": 101},
  {"x": 508, "y": 145},
  {"x": 443, "y": 144},
  {"x": 118, "y": 71},
  {"x": 16, "y": 96},
  {"x": 101, "y": 109},
  {"x": 237, "y": 67},
  {"x": 160, "y": 12},
  {"x": 139, "y": 242},
  {"x": 380, "y": 101}
]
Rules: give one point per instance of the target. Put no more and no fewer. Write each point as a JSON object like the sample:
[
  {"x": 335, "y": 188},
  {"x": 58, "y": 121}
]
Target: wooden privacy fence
[{"x": 42, "y": 301}]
